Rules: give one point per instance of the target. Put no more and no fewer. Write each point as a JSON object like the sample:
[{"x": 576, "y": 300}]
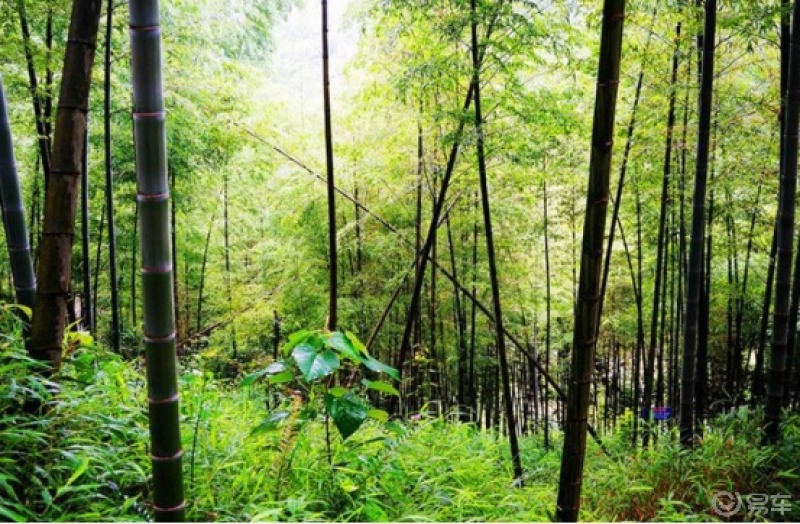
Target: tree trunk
[
  {"x": 332, "y": 258},
  {"x": 661, "y": 240},
  {"x": 55, "y": 260},
  {"x": 87, "y": 311},
  {"x": 586, "y": 320},
  {"x": 112, "y": 235},
  {"x": 19, "y": 251},
  {"x": 36, "y": 97},
  {"x": 785, "y": 239},
  {"x": 487, "y": 221},
  {"x": 695, "y": 280},
  {"x": 548, "y": 317},
  {"x": 159, "y": 322}
]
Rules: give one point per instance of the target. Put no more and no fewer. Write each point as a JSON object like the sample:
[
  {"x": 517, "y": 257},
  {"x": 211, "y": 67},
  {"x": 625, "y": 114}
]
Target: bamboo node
[
  {"x": 85, "y": 43},
  {"x": 65, "y": 172},
  {"x": 179, "y": 507},
  {"x": 166, "y": 268},
  {"x": 159, "y": 340},
  {"x": 176, "y": 456},
  {"x": 148, "y": 115},
  {"x": 168, "y": 400},
  {"x": 152, "y": 197},
  {"x": 80, "y": 109},
  {"x": 145, "y": 28}
]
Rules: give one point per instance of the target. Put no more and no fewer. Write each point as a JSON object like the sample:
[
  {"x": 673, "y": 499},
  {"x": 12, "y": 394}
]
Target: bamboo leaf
[{"x": 11, "y": 515}]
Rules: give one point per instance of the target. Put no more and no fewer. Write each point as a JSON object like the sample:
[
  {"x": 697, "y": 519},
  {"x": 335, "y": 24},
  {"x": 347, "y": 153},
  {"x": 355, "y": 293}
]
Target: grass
[{"x": 86, "y": 459}]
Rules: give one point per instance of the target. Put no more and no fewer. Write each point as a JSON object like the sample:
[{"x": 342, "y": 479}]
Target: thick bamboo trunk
[
  {"x": 586, "y": 319},
  {"x": 19, "y": 252},
  {"x": 785, "y": 239},
  {"x": 695, "y": 277},
  {"x": 159, "y": 321},
  {"x": 55, "y": 259}
]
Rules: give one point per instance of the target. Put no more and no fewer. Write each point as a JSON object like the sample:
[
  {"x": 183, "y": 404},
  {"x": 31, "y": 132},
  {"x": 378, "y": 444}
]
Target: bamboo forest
[{"x": 399, "y": 260}]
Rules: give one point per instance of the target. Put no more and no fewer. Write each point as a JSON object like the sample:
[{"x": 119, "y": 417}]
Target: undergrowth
[{"x": 85, "y": 458}]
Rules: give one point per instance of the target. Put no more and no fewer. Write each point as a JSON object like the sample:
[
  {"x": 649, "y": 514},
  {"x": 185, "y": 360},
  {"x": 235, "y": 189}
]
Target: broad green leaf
[
  {"x": 380, "y": 367},
  {"x": 378, "y": 414},
  {"x": 315, "y": 365},
  {"x": 380, "y": 385},
  {"x": 282, "y": 377},
  {"x": 348, "y": 412},
  {"x": 295, "y": 339},
  {"x": 342, "y": 344}
]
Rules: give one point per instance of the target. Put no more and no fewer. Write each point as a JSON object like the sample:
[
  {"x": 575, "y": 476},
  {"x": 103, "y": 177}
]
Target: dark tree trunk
[
  {"x": 36, "y": 96},
  {"x": 112, "y": 234},
  {"x": 785, "y": 238},
  {"x": 332, "y": 256},
  {"x": 548, "y": 317},
  {"x": 159, "y": 323},
  {"x": 695, "y": 280},
  {"x": 586, "y": 319},
  {"x": 19, "y": 252},
  {"x": 661, "y": 240},
  {"x": 487, "y": 221},
  {"x": 227, "y": 247},
  {"x": 55, "y": 261},
  {"x": 87, "y": 311}
]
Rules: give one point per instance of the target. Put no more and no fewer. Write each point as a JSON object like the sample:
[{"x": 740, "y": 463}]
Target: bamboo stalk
[
  {"x": 586, "y": 311},
  {"x": 154, "y": 222},
  {"x": 19, "y": 251}
]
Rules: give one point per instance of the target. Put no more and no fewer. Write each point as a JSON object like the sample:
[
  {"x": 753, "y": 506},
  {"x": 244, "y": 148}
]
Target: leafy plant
[{"x": 322, "y": 368}]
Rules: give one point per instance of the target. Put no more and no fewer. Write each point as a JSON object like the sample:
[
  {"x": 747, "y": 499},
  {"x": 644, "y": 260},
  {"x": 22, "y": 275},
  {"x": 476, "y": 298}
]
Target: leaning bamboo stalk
[
  {"x": 154, "y": 224},
  {"x": 19, "y": 251}
]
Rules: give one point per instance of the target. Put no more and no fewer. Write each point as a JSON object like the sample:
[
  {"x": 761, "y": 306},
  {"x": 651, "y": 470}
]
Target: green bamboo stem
[
  {"x": 154, "y": 224},
  {"x": 19, "y": 251}
]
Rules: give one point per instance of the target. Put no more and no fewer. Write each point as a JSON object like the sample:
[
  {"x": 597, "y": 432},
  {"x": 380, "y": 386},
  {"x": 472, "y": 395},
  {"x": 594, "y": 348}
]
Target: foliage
[
  {"x": 317, "y": 359},
  {"x": 85, "y": 458}
]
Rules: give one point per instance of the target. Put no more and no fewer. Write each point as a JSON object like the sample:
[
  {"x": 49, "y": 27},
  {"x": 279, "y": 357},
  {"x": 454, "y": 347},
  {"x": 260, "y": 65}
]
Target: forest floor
[{"x": 87, "y": 459}]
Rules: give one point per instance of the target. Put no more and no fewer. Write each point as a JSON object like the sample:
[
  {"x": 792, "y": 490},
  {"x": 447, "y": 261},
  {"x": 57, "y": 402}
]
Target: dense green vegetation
[
  {"x": 271, "y": 252},
  {"x": 86, "y": 458}
]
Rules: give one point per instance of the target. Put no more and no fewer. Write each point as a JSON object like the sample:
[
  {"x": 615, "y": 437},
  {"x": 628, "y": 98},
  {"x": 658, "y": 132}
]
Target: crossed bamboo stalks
[{"x": 466, "y": 292}]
